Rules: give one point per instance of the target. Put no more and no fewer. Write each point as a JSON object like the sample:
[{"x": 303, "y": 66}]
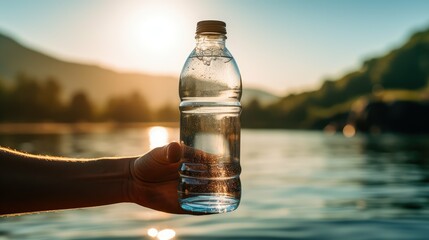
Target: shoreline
[{"x": 83, "y": 127}]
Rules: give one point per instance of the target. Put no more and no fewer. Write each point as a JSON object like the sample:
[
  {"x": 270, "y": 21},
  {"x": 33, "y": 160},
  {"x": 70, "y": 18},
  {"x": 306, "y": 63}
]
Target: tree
[
  {"x": 51, "y": 99},
  {"x": 25, "y": 100},
  {"x": 132, "y": 108},
  {"x": 80, "y": 108},
  {"x": 253, "y": 115},
  {"x": 408, "y": 69},
  {"x": 3, "y": 100},
  {"x": 167, "y": 113}
]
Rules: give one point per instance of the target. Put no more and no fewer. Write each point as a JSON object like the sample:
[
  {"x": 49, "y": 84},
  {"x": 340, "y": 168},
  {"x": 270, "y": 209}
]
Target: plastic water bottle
[{"x": 210, "y": 92}]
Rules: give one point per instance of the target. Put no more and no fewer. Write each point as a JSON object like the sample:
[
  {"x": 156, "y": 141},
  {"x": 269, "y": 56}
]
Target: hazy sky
[{"x": 281, "y": 46}]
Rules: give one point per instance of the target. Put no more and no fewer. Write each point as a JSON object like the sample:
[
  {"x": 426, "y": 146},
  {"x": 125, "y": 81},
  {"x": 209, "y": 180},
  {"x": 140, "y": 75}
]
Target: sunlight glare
[
  {"x": 158, "y": 136},
  {"x": 152, "y": 232},
  {"x": 154, "y": 28},
  {"x": 349, "y": 130},
  {"x": 157, "y": 36},
  {"x": 166, "y": 234},
  {"x": 157, "y": 33}
]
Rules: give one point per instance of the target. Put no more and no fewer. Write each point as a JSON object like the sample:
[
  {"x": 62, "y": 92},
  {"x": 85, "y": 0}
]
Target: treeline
[
  {"x": 30, "y": 99},
  {"x": 309, "y": 110},
  {"x": 405, "y": 68}
]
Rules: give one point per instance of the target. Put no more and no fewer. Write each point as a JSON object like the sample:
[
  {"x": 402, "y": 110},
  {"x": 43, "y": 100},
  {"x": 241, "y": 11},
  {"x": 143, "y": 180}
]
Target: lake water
[{"x": 296, "y": 185}]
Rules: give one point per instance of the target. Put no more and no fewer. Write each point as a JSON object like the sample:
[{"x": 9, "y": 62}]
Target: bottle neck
[{"x": 204, "y": 40}]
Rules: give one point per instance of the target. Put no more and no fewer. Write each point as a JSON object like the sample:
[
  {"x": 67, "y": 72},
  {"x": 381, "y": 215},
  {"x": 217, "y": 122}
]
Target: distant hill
[
  {"x": 100, "y": 83},
  {"x": 264, "y": 98},
  {"x": 403, "y": 69}
]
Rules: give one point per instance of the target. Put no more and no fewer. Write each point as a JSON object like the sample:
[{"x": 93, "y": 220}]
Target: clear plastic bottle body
[{"x": 210, "y": 92}]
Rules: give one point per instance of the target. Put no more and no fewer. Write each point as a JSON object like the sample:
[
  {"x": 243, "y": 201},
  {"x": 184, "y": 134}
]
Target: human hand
[{"x": 154, "y": 179}]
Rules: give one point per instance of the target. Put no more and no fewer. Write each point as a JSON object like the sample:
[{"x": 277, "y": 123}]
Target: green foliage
[
  {"x": 403, "y": 69},
  {"x": 406, "y": 68},
  {"x": 80, "y": 108},
  {"x": 3, "y": 100},
  {"x": 253, "y": 115},
  {"x": 167, "y": 113},
  {"x": 31, "y": 100},
  {"x": 131, "y": 108}
]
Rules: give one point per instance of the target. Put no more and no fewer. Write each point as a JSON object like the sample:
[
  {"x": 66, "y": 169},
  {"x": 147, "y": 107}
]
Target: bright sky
[{"x": 281, "y": 46}]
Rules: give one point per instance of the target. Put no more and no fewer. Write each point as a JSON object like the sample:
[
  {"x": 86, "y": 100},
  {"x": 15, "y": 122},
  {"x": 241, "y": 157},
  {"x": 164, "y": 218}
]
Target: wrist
[
  {"x": 127, "y": 186},
  {"x": 108, "y": 177},
  {"x": 137, "y": 190}
]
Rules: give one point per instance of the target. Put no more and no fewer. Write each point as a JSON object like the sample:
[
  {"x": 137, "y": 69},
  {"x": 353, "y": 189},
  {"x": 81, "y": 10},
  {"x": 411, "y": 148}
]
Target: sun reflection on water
[
  {"x": 349, "y": 130},
  {"x": 165, "y": 234},
  {"x": 152, "y": 232},
  {"x": 158, "y": 136}
]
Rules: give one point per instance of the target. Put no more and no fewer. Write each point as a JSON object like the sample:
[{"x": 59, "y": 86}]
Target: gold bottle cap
[{"x": 211, "y": 26}]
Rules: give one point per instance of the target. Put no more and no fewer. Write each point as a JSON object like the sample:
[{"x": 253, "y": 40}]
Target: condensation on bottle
[{"x": 210, "y": 92}]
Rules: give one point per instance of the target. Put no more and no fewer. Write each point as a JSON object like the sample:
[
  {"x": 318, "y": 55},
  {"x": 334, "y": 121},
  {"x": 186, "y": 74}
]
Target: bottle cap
[{"x": 212, "y": 26}]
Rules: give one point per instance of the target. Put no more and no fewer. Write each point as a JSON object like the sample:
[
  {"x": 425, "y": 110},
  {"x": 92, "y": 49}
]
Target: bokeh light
[
  {"x": 152, "y": 232},
  {"x": 165, "y": 234},
  {"x": 158, "y": 136}
]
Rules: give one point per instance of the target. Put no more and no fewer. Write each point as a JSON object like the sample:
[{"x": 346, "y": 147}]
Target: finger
[
  {"x": 167, "y": 154},
  {"x": 174, "y": 152}
]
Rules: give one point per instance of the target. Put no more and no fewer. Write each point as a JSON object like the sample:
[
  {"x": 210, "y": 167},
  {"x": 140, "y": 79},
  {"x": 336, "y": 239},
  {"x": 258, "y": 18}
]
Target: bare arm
[{"x": 30, "y": 183}]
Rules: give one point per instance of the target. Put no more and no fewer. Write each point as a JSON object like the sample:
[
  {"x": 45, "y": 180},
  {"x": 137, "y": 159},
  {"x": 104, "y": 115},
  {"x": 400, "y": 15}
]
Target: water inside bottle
[{"x": 210, "y": 170}]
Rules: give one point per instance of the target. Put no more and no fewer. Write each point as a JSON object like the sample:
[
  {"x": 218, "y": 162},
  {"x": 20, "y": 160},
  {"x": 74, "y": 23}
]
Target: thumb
[
  {"x": 170, "y": 153},
  {"x": 159, "y": 164},
  {"x": 174, "y": 152}
]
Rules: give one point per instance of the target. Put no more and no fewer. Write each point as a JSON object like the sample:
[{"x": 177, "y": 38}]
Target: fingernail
[
  {"x": 173, "y": 151},
  {"x": 168, "y": 152}
]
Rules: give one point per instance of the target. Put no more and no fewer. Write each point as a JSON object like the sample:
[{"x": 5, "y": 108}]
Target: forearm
[{"x": 31, "y": 183}]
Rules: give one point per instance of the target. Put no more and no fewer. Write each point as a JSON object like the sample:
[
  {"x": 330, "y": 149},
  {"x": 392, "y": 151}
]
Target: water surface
[{"x": 296, "y": 185}]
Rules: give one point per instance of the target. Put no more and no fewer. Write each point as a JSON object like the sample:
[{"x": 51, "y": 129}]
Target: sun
[
  {"x": 153, "y": 37},
  {"x": 156, "y": 33},
  {"x": 154, "y": 28}
]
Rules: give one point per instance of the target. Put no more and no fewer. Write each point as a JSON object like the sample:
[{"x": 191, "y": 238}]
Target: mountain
[
  {"x": 401, "y": 74},
  {"x": 100, "y": 83},
  {"x": 265, "y": 98}
]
